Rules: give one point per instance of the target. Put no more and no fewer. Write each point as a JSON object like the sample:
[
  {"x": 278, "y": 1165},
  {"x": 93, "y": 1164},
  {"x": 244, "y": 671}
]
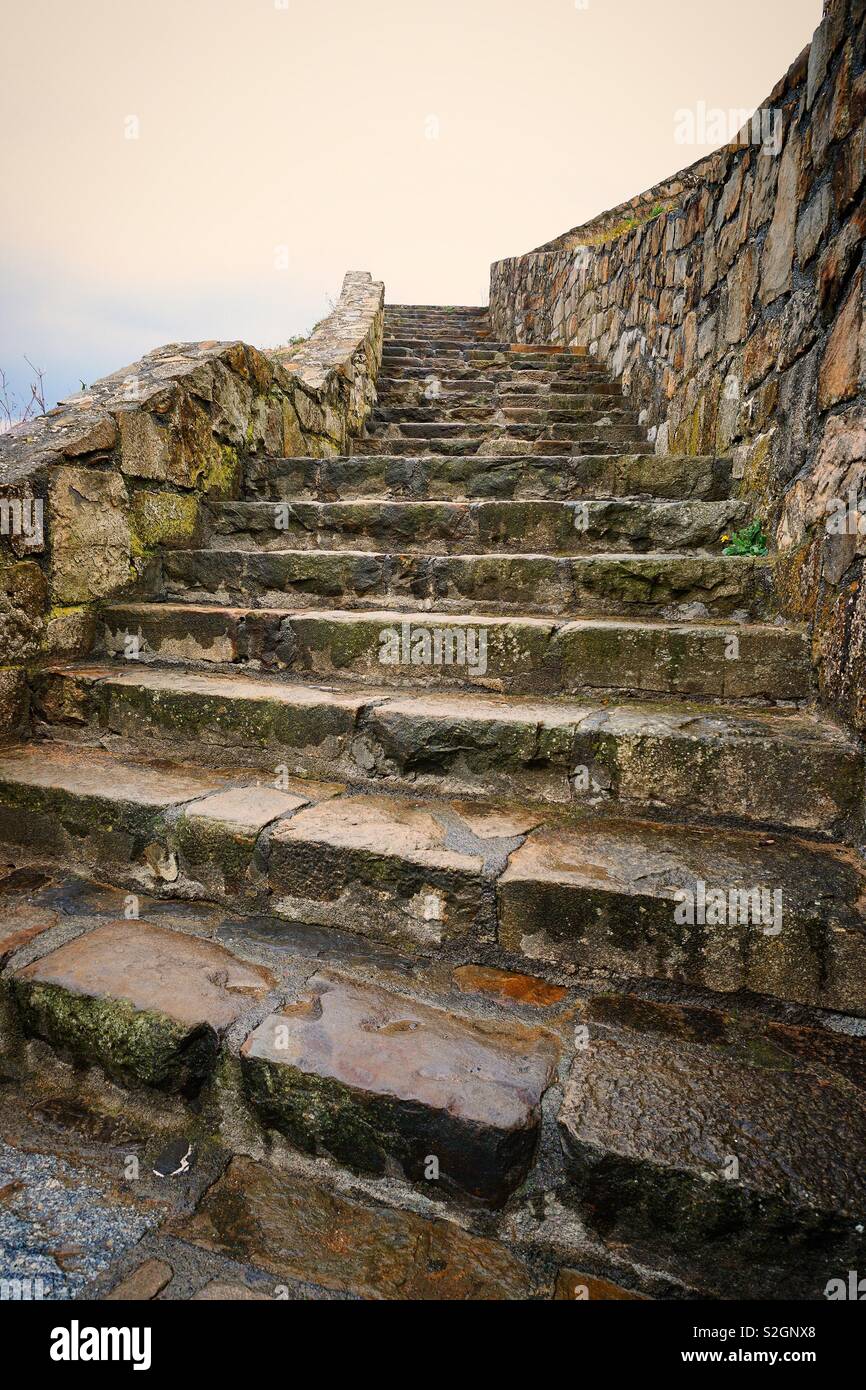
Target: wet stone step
[
  {"x": 450, "y": 398},
  {"x": 590, "y": 441},
  {"x": 720, "y": 910},
  {"x": 306, "y": 1230},
  {"x": 565, "y": 528},
  {"x": 515, "y": 655},
  {"x": 381, "y": 864},
  {"x": 94, "y": 810},
  {"x": 521, "y": 476},
  {"x": 381, "y": 1082},
  {"x": 495, "y": 413},
  {"x": 647, "y": 585},
  {"x": 607, "y": 428},
  {"x": 779, "y": 770},
  {"x": 147, "y": 1005},
  {"x": 717, "y": 1153},
  {"x": 786, "y": 769}
]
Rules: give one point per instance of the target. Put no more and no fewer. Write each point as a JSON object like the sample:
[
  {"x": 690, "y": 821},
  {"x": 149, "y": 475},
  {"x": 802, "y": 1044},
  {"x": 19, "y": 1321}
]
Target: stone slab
[{"x": 384, "y": 1083}]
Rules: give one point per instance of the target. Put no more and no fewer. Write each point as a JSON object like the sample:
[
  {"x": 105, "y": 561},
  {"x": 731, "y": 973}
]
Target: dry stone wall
[
  {"x": 729, "y": 300},
  {"x": 90, "y": 490}
]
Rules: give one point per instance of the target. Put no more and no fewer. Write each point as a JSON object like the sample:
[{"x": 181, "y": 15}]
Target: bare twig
[{"x": 12, "y": 412}]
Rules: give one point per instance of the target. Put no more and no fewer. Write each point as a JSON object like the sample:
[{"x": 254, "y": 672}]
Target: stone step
[
  {"x": 436, "y": 394},
  {"x": 496, "y": 414},
  {"x": 586, "y": 901},
  {"x": 483, "y": 361},
  {"x": 87, "y": 808},
  {"x": 416, "y": 344},
  {"x": 377, "y": 1080},
  {"x": 520, "y": 476},
  {"x": 149, "y": 1006},
  {"x": 638, "y": 586},
  {"x": 538, "y": 379},
  {"x": 433, "y": 432},
  {"x": 488, "y": 351},
  {"x": 719, "y": 910},
  {"x": 565, "y": 528},
  {"x": 436, "y": 310},
  {"x": 520, "y": 655},
  {"x": 705, "y": 1149},
  {"x": 593, "y": 440},
  {"x": 739, "y": 765},
  {"x": 460, "y": 334}
]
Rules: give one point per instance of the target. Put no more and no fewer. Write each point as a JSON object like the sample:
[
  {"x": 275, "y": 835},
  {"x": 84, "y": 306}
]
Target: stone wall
[
  {"x": 90, "y": 490},
  {"x": 729, "y": 300}
]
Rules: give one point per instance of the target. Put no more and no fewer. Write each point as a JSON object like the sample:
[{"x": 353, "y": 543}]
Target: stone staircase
[{"x": 486, "y": 696}]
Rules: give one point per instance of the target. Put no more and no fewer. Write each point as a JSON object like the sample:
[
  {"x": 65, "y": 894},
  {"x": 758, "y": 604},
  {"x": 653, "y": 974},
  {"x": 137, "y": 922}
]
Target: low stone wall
[
  {"x": 729, "y": 300},
  {"x": 90, "y": 490}
]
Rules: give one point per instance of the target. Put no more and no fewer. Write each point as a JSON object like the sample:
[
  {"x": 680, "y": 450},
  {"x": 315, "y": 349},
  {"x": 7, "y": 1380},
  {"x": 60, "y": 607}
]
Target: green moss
[
  {"x": 221, "y": 476},
  {"x": 162, "y": 518},
  {"x": 132, "y": 1045}
]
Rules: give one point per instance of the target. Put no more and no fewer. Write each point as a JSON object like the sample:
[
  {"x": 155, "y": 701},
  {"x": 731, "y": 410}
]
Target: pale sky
[{"x": 283, "y": 142}]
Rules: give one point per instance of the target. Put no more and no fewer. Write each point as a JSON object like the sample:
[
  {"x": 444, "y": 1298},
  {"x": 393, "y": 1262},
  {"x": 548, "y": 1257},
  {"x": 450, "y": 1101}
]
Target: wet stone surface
[
  {"x": 300, "y": 1230},
  {"x": 385, "y": 1084}
]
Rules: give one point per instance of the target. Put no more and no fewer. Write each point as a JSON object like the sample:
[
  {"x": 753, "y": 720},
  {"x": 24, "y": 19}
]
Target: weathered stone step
[
  {"x": 450, "y": 396},
  {"x": 482, "y": 362},
  {"x": 593, "y": 440},
  {"x": 580, "y": 376},
  {"x": 740, "y": 765},
  {"x": 407, "y": 341},
  {"x": 488, "y": 351},
  {"x": 520, "y": 476},
  {"x": 565, "y": 528},
  {"x": 720, "y": 910},
  {"x": 495, "y": 414},
  {"x": 86, "y": 808},
  {"x": 443, "y": 310},
  {"x": 589, "y": 899},
  {"x": 647, "y": 585},
  {"x": 607, "y": 429},
  {"x": 149, "y": 1006},
  {"x": 706, "y": 1150},
  {"x": 381, "y": 1082},
  {"x": 377, "y": 1080},
  {"x": 459, "y": 334},
  {"x": 520, "y": 655}
]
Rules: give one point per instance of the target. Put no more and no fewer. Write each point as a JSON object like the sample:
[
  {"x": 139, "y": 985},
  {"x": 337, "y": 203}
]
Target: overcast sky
[{"x": 188, "y": 169}]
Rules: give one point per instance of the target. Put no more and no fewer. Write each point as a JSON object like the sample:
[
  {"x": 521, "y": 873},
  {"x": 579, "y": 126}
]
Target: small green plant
[{"x": 750, "y": 541}]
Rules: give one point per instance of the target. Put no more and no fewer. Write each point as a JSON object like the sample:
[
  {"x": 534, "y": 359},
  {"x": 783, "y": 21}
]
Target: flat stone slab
[
  {"x": 374, "y": 865},
  {"x": 299, "y": 1229},
  {"x": 54, "y": 768},
  {"x": 217, "y": 837},
  {"x": 631, "y": 899},
  {"x": 143, "y": 1283},
  {"x": 785, "y": 768},
  {"x": 246, "y": 810},
  {"x": 87, "y": 808},
  {"x": 385, "y": 1084},
  {"x": 738, "y": 1153},
  {"x": 21, "y": 924},
  {"x": 145, "y": 1003}
]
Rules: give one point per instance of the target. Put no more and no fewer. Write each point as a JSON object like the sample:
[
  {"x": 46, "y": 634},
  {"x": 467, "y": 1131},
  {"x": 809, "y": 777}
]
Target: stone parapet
[{"x": 91, "y": 489}]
